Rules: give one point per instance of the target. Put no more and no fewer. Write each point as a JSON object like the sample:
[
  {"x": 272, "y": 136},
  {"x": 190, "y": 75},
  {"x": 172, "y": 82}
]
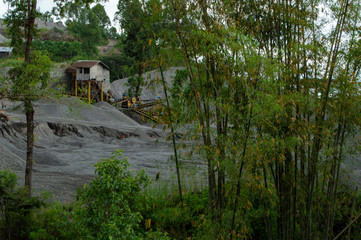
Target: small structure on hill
[
  {"x": 5, "y": 52},
  {"x": 91, "y": 75}
]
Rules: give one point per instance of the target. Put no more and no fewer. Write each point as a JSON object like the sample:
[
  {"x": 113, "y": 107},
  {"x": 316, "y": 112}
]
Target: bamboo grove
[{"x": 272, "y": 91}]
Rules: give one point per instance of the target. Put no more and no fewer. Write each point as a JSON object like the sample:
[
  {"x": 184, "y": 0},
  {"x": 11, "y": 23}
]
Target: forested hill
[{"x": 86, "y": 34}]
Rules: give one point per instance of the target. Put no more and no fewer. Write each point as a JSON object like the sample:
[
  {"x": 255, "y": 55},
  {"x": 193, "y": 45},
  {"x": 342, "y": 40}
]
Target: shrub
[
  {"x": 53, "y": 222},
  {"x": 110, "y": 203}
]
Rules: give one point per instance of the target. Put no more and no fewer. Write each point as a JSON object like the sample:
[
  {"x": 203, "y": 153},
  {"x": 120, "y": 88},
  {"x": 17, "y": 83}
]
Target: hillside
[{"x": 54, "y": 31}]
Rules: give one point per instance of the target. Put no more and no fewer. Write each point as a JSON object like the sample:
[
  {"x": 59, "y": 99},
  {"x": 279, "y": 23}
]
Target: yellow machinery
[{"x": 137, "y": 106}]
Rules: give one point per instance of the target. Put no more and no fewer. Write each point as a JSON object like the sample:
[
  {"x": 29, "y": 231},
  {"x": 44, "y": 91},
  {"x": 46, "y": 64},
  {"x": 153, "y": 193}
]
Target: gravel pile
[
  {"x": 149, "y": 93},
  {"x": 71, "y": 136},
  {"x": 74, "y": 109}
]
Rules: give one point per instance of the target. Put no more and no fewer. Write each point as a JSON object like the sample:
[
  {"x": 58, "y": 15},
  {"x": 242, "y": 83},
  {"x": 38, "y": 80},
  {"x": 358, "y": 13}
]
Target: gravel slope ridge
[{"x": 70, "y": 137}]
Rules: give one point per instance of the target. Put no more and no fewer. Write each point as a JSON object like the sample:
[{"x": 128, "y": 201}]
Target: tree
[
  {"x": 28, "y": 82},
  {"x": 90, "y": 26},
  {"x": 32, "y": 76},
  {"x": 135, "y": 22},
  {"x": 20, "y": 24},
  {"x": 104, "y": 21}
]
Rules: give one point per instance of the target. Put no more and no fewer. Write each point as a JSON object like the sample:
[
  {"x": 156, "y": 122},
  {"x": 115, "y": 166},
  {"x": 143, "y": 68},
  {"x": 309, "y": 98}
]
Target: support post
[
  {"x": 101, "y": 93},
  {"x": 76, "y": 88},
  {"x": 89, "y": 92}
]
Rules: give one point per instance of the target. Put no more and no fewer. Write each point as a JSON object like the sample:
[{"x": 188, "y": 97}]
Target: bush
[
  {"x": 110, "y": 203},
  {"x": 53, "y": 222}
]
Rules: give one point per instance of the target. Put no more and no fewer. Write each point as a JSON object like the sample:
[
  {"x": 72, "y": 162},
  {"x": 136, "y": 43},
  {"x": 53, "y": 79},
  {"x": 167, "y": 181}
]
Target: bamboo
[
  {"x": 171, "y": 121},
  {"x": 347, "y": 227}
]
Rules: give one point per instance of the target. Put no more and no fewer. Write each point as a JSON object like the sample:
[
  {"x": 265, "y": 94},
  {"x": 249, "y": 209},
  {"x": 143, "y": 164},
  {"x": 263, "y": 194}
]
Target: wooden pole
[
  {"x": 89, "y": 92},
  {"x": 76, "y": 88},
  {"x": 101, "y": 93}
]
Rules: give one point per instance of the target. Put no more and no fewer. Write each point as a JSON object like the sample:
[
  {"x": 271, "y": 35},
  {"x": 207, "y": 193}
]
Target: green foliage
[
  {"x": 15, "y": 207},
  {"x": 110, "y": 203},
  {"x": 108, "y": 208},
  {"x": 90, "y": 26},
  {"x": 266, "y": 96},
  {"x": 119, "y": 65},
  {"x": 165, "y": 212},
  {"x": 16, "y": 21},
  {"x": 53, "y": 221},
  {"x": 133, "y": 19},
  {"x": 58, "y": 30},
  {"x": 59, "y": 51},
  {"x": 30, "y": 81},
  {"x": 113, "y": 34},
  {"x": 193, "y": 219},
  {"x": 132, "y": 83},
  {"x": 137, "y": 19}
]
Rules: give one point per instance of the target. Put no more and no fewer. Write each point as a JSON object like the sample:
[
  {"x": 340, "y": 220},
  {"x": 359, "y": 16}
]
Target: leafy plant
[
  {"x": 133, "y": 83},
  {"x": 110, "y": 203},
  {"x": 53, "y": 221}
]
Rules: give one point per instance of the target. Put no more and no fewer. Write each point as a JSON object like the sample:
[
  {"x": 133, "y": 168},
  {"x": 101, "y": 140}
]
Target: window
[
  {"x": 86, "y": 70},
  {"x": 80, "y": 70}
]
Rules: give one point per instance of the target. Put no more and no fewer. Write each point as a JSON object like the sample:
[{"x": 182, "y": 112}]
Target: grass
[{"x": 165, "y": 211}]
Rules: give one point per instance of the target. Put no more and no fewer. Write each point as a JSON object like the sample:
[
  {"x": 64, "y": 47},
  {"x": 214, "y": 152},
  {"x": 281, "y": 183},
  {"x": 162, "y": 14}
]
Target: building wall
[
  {"x": 101, "y": 74},
  {"x": 81, "y": 76},
  {"x": 106, "y": 84},
  {"x": 94, "y": 72}
]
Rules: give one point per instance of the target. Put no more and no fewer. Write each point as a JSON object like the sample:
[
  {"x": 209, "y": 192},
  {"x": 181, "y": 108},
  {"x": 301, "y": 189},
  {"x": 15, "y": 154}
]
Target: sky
[{"x": 46, "y": 5}]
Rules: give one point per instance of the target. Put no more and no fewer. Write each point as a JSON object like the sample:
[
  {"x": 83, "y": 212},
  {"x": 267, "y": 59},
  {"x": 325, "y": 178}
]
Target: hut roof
[{"x": 88, "y": 64}]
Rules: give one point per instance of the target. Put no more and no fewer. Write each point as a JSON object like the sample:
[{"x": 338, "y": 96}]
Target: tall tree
[
  {"x": 29, "y": 77},
  {"x": 89, "y": 25},
  {"x": 135, "y": 22}
]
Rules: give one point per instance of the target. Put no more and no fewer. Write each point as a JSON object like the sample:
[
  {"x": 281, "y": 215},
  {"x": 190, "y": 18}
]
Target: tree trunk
[
  {"x": 30, "y": 144},
  {"x": 28, "y": 104},
  {"x": 30, "y": 27}
]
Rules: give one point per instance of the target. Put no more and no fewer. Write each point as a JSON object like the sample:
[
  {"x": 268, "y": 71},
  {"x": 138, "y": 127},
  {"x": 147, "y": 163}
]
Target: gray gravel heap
[{"x": 71, "y": 136}]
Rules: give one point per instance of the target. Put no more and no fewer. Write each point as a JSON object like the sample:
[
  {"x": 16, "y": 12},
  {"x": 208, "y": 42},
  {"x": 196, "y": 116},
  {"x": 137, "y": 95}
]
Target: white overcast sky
[{"x": 46, "y": 5}]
